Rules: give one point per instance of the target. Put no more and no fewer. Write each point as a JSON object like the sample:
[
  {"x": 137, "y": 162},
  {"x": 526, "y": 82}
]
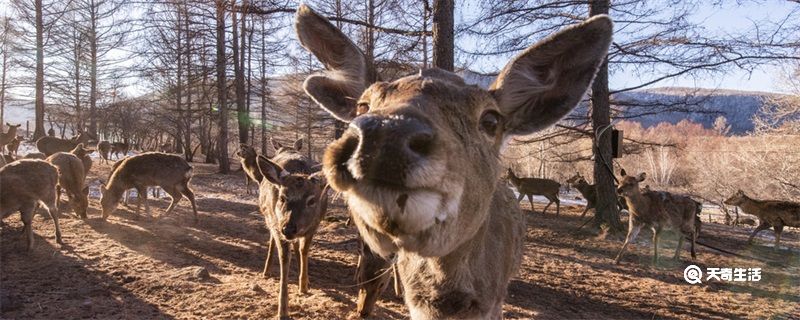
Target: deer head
[
  {"x": 296, "y": 199},
  {"x": 736, "y": 199},
  {"x": 629, "y": 185},
  {"x": 80, "y": 151},
  {"x": 577, "y": 179},
  {"x": 296, "y": 146},
  {"x": 420, "y": 159},
  {"x": 246, "y": 152}
]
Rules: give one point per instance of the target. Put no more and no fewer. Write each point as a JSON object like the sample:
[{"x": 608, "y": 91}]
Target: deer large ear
[
  {"x": 270, "y": 170},
  {"x": 298, "y": 144},
  {"x": 337, "y": 89},
  {"x": 546, "y": 81},
  {"x": 641, "y": 177}
]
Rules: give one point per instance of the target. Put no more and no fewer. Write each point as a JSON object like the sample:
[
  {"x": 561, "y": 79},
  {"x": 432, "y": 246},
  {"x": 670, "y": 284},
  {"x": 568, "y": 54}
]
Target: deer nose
[
  {"x": 619, "y": 190},
  {"x": 289, "y": 231},
  {"x": 388, "y": 146}
]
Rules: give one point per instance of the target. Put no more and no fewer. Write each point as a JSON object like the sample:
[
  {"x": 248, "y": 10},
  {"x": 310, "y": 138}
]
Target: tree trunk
[
  {"x": 39, "y": 96},
  {"x": 93, "y": 69},
  {"x": 264, "y": 94},
  {"x": 222, "y": 137},
  {"x": 606, "y": 211},
  {"x": 187, "y": 126},
  {"x": 241, "y": 112},
  {"x": 443, "y": 42},
  {"x": 179, "y": 145}
]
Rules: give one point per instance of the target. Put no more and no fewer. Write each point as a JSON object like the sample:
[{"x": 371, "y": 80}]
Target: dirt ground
[{"x": 136, "y": 267}]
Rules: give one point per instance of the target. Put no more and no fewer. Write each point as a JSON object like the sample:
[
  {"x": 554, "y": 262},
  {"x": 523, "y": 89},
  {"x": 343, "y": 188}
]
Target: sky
[{"x": 730, "y": 19}]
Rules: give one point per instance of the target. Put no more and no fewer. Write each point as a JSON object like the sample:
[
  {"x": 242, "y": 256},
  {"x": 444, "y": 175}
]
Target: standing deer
[
  {"x": 589, "y": 192},
  {"x": 659, "y": 210},
  {"x": 25, "y": 183},
  {"x": 247, "y": 157},
  {"x": 536, "y": 186},
  {"x": 120, "y": 147},
  {"x": 50, "y": 145},
  {"x": 420, "y": 164},
  {"x": 170, "y": 172},
  {"x": 104, "y": 148},
  {"x": 7, "y": 137},
  {"x": 293, "y": 201},
  {"x": 770, "y": 213}
]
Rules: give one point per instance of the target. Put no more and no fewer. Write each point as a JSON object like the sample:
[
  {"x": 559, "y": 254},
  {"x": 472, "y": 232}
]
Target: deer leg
[
  {"x": 558, "y": 206},
  {"x": 521, "y": 196},
  {"x": 305, "y": 244},
  {"x": 530, "y": 200},
  {"x": 398, "y": 287},
  {"x": 656, "y": 234},
  {"x": 585, "y": 210},
  {"x": 633, "y": 231},
  {"x": 27, "y": 212},
  {"x": 761, "y": 226},
  {"x": 268, "y": 262},
  {"x": 680, "y": 245},
  {"x": 141, "y": 193},
  {"x": 284, "y": 256},
  {"x": 176, "y": 196},
  {"x": 190, "y": 195},
  {"x": 52, "y": 209},
  {"x": 778, "y": 229},
  {"x": 695, "y": 234}
]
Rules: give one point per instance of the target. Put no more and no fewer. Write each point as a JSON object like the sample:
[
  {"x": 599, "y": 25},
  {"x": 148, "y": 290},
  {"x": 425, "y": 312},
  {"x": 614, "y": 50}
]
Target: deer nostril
[{"x": 421, "y": 143}]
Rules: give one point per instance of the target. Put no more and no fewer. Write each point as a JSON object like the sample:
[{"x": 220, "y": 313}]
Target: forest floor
[{"x": 136, "y": 267}]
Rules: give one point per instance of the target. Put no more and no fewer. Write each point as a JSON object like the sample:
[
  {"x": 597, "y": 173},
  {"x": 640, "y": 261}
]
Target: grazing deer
[
  {"x": 659, "y": 210},
  {"x": 13, "y": 145},
  {"x": 247, "y": 157},
  {"x": 71, "y": 177},
  {"x": 771, "y": 213},
  {"x": 536, "y": 186},
  {"x": 293, "y": 201},
  {"x": 25, "y": 183},
  {"x": 170, "y": 172},
  {"x": 104, "y": 148},
  {"x": 120, "y": 147},
  {"x": 420, "y": 164},
  {"x": 50, "y": 145},
  {"x": 7, "y": 137}
]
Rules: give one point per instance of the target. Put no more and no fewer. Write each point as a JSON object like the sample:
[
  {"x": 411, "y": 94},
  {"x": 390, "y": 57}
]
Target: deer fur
[
  {"x": 170, "y": 172},
  {"x": 248, "y": 159},
  {"x": 453, "y": 225},
  {"x": 71, "y": 177},
  {"x": 8, "y": 136},
  {"x": 84, "y": 155},
  {"x": 25, "y": 183},
  {"x": 658, "y": 210},
  {"x": 589, "y": 192},
  {"x": 536, "y": 186},
  {"x": 104, "y": 148},
  {"x": 50, "y": 145},
  {"x": 771, "y": 213},
  {"x": 293, "y": 201}
]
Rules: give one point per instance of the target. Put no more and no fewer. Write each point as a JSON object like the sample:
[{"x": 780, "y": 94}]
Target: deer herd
[{"x": 418, "y": 166}]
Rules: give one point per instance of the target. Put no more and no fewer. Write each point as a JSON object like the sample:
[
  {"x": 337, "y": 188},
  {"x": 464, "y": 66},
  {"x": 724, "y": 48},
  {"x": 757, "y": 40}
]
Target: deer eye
[
  {"x": 311, "y": 202},
  {"x": 362, "y": 108},
  {"x": 490, "y": 122},
  {"x": 282, "y": 198}
]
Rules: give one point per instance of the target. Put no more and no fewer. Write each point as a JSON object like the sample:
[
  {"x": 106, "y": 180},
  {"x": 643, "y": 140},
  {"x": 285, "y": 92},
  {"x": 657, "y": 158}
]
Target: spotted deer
[
  {"x": 24, "y": 184},
  {"x": 293, "y": 200},
  {"x": 658, "y": 210},
  {"x": 771, "y": 213},
  {"x": 8, "y": 136},
  {"x": 536, "y": 186},
  {"x": 419, "y": 164}
]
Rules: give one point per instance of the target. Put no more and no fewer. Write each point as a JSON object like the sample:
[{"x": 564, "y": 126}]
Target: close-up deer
[
  {"x": 419, "y": 164},
  {"x": 658, "y": 210},
  {"x": 170, "y": 172},
  {"x": 536, "y": 186},
  {"x": 23, "y": 185},
  {"x": 293, "y": 200},
  {"x": 771, "y": 213}
]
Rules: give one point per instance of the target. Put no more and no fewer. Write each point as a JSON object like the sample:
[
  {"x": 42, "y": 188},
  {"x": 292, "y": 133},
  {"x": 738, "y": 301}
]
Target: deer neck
[
  {"x": 750, "y": 205},
  {"x": 638, "y": 203},
  {"x": 584, "y": 188},
  {"x": 514, "y": 179}
]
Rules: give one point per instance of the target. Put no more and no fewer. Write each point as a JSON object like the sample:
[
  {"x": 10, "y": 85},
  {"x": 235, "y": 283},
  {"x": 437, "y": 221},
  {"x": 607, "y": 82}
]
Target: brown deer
[
  {"x": 247, "y": 157},
  {"x": 120, "y": 147},
  {"x": 372, "y": 275},
  {"x": 104, "y": 148},
  {"x": 83, "y": 154},
  {"x": 589, "y": 192},
  {"x": 7, "y": 137},
  {"x": 50, "y": 145},
  {"x": 71, "y": 177},
  {"x": 536, "y": 186},
  {"x": 771, "y": 213},
  {"x": 25, "y": 183},
  {"x": 420, "y": 164},
  {"x": 293, "y": 201},
  {"x": 35, "y": 155},
  {"x": 659, "y": 210},
  {"x": 170, "y": 172},
  {"x": 13, "y": 145}
]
